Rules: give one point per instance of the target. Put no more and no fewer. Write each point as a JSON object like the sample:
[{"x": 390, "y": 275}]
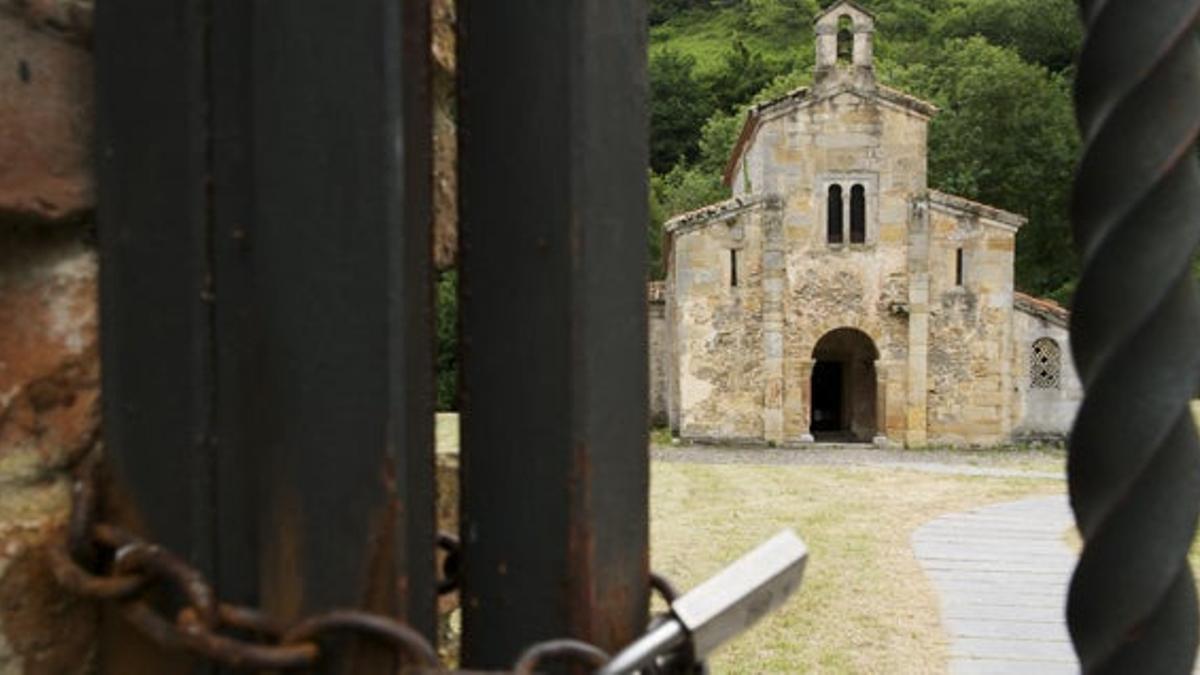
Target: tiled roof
[
  {"x": 712, "y": 212},
  {"x": 1043, "y": 308},
  {"x": 983, "y": 210}
]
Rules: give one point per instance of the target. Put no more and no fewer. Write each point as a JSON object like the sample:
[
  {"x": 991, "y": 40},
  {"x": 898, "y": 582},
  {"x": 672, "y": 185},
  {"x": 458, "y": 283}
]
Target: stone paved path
[{"x": 1001, "y": 572}]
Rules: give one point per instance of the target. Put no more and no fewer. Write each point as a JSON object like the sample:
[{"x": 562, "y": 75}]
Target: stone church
[{"x": 836, "y": 298}]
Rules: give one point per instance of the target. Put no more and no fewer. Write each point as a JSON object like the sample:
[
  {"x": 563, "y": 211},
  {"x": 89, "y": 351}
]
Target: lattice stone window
[{"x": 1045, "y": 364}]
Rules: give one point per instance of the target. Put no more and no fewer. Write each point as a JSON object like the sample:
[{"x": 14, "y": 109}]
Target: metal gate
[{"x": 264, "y": 176}]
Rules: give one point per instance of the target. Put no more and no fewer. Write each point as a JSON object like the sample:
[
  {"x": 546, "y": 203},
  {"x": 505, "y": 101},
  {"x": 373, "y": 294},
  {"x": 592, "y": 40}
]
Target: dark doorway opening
[
  {"x": 827, "y": 397},
  {"x": 844, "y": 388}
]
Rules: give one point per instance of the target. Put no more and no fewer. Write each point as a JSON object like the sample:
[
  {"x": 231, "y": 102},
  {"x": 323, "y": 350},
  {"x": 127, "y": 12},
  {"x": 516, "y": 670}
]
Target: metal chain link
[
  {"x": 106, "y": 563},
  {"x": 133, "y": 568}
]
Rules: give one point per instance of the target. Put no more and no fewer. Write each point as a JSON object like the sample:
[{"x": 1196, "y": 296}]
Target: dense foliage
[{"x": 1000, "y": 70}]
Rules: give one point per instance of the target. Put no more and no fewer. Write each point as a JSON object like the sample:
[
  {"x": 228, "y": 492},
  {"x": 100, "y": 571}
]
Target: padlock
[{"x": 718, "y": 609}]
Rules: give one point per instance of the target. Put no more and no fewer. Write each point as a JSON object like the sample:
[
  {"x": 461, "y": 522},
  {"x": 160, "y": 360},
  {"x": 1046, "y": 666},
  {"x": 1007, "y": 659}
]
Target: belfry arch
[{"x": 843, "y": 387}]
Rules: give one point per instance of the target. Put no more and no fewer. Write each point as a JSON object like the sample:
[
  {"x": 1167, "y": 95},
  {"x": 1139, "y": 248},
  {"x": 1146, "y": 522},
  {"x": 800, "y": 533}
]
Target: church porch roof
[
  {"x": 721, "y": 211},
  {"x": 965, "y": 206}
]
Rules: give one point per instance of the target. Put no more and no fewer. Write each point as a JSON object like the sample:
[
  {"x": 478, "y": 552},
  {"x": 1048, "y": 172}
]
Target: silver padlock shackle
[{"x": 722, "y": 607}]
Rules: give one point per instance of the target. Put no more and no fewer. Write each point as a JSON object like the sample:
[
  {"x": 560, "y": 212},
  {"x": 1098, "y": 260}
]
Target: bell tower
[{"x": 845, "y": 46}]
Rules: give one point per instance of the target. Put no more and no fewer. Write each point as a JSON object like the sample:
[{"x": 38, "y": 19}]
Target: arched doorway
[{"x": 842, "y": 395}]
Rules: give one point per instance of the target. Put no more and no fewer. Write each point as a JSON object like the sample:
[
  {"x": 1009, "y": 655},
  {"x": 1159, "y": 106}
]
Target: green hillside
[{"x": 1000, "y": 70}]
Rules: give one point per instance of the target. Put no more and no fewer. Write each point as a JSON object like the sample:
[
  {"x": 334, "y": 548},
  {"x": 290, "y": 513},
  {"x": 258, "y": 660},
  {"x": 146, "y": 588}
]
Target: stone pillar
[
  {"x": 881, "y": 397},
  {"x": 864, "y": 46},
  {"x": 916, "y": 405},
  {"x": 826, "y": 48},
  {"x": 774, "y": 275},
  {"x": 805, "y": 394}
]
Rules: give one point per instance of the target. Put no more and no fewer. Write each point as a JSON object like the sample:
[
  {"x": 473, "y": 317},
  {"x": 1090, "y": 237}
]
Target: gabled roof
[
  {"x": 838, "y": 5},
  {"x": 1042, "y": 308},
  {"x": 966, "y": 206},
  {"x": 720, "y": 211},
  {"x": 804, "y": 96}
]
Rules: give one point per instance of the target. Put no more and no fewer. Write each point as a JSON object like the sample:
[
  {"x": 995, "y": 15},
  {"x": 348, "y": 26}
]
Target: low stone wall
[{"x": 49, "y": 366}]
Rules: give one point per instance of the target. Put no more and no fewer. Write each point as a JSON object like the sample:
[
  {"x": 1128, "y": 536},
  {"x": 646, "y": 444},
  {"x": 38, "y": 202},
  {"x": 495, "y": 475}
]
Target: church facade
[{"x": 835, "y": 297}]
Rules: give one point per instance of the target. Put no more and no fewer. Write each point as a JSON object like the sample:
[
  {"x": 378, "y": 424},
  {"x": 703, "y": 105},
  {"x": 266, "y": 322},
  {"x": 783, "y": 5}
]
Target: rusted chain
[
  {"x": 134, "y": 568},
  {"x": 1134, "y": 462},
  {"x": 565, "y": 649},
  {"x": 663, "y": 586},
  {"x": 161, "y": 564},
  {"x": 131, "y": 569},
  {"x": 79, "y": 581},
  {"x": 400, "y": 635}
]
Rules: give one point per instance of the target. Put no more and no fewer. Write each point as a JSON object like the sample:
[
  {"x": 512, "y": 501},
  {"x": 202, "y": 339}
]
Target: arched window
[
  {"x": 845, "y": 37},
  {"x": 858, "y": 214},
  {"x": 835, "y": 214},
  {"x": 1045, "y": 364}
]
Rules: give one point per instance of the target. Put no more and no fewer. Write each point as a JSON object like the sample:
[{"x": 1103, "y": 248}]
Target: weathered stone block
[
  {"x": 49, "y": 416},
  {"x": 45, "y": 124}
]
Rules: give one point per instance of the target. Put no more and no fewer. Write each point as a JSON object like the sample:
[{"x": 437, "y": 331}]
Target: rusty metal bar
[
  {"x": 266, "y": 302},
  {"x": 1134, "y": 460},
  {"x": 553, "y": 268},
  {"x": 156, "y": 350}
]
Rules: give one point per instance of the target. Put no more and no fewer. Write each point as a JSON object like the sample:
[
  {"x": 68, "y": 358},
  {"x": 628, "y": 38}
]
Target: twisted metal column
[{"x": 1134, "y": 460}]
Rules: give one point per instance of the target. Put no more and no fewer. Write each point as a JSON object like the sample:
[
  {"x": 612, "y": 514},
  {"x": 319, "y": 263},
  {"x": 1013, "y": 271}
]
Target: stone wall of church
[
  {"x": 1047, "y": 390},
  {"x": 718, "y": 327},
  {"x": 970, "y": 340},
  {"x": 847, "y": 140}
]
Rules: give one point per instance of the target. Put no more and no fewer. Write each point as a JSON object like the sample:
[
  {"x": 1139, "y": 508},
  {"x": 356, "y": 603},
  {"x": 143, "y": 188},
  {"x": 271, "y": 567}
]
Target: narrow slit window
[
  {"x": 958, "y": 267},
  {"x": 858, "y": 215},
  {"x": 733, "y": 279},
  {"x": 834, "y": 232}
]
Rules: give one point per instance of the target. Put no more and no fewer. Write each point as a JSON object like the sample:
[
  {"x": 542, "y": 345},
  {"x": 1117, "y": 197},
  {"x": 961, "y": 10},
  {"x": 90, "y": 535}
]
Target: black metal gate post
[
  {"x": 553, "y": 160},
  {"x": 266, "y": 302},
  {"x": 1134, "y": 458}
]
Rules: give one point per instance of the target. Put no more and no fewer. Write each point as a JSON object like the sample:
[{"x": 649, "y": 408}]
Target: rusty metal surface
[
  {"x": 553, "y": 149},
  {"x": 1134, "y": 462},
  {"x": 203, "y": 625},
  {"x": 266, "y": 303}
]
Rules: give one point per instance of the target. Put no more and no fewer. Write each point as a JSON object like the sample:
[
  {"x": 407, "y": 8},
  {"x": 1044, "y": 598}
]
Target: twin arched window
[{"x": 836, "y": 216}]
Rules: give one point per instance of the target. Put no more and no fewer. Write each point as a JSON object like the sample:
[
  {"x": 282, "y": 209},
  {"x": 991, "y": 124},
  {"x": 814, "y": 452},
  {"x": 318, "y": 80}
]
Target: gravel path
[
  {"x": 1002, "y": 573},
  {"x": 999, "y": 463}
]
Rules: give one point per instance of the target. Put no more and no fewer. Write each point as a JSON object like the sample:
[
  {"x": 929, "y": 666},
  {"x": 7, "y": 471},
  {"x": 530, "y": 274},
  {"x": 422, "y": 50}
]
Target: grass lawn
[{"x": 865, "y": 606}]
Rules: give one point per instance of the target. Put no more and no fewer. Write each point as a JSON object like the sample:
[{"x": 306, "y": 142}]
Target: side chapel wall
[
  {"x": 970, "y": 342},
  {"x": 1042, "y": 412},
  {"x": 719, "y": 327}
]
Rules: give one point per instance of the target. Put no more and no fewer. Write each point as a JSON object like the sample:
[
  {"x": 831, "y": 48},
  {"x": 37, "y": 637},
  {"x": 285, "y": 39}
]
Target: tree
[
  {"x": 1046, "y": 32},
  {"x": 742, "y": 74},
  {"x": 1005, "y": 136},
  {"x": 679, "y": 104}
]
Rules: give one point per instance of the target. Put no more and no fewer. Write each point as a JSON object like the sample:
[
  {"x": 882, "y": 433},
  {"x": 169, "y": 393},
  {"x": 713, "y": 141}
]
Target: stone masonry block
[{"x": 45, "y": 124}]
